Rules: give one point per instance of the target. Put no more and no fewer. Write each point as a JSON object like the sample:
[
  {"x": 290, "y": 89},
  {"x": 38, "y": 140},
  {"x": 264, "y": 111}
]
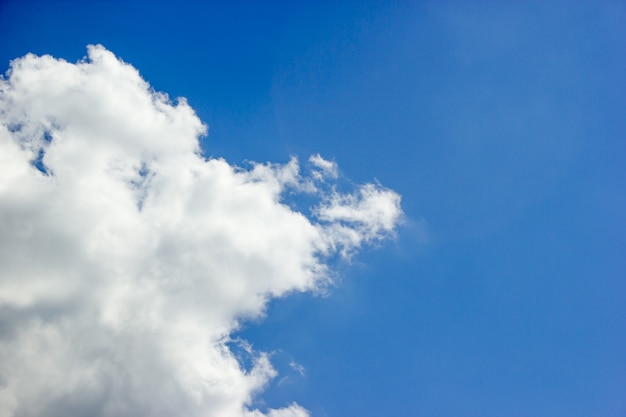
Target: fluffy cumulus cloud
[{"x": 128, "y": 258}]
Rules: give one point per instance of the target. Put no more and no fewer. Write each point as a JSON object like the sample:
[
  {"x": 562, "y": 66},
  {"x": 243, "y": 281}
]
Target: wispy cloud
[
  {"x": 324, "y": 167},
  {"x": 128, "y": 258},
  {"x": 298, "y": 368}
]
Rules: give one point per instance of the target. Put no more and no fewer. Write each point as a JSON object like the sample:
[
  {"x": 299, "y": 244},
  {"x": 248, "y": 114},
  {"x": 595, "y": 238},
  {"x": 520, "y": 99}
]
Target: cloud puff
[
  {"x": 128, "y": 258},
  {"x": 324, "y": 167}
]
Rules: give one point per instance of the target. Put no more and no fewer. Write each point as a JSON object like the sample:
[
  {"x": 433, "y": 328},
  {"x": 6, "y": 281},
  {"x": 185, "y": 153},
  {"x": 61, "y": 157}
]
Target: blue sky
[{"x": 502, "y": 127}]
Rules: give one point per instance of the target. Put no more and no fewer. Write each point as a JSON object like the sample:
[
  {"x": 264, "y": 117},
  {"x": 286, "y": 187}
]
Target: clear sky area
[{"x": 395, "y": 208}]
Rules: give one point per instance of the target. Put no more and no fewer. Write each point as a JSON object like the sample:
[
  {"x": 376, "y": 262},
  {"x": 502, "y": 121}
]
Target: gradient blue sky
[{"x": 503, "y": 127}]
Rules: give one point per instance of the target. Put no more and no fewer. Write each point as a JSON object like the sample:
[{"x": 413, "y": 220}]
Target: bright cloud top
[{"x": 128, "y": 258}]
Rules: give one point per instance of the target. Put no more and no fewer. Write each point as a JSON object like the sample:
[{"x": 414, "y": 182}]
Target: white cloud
[
  {"x": 369, "y": 214},
  {"x": 324, "y": 168},
  {"x": 128, "y": 258},
  {"x": 298, "y": 368}
]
